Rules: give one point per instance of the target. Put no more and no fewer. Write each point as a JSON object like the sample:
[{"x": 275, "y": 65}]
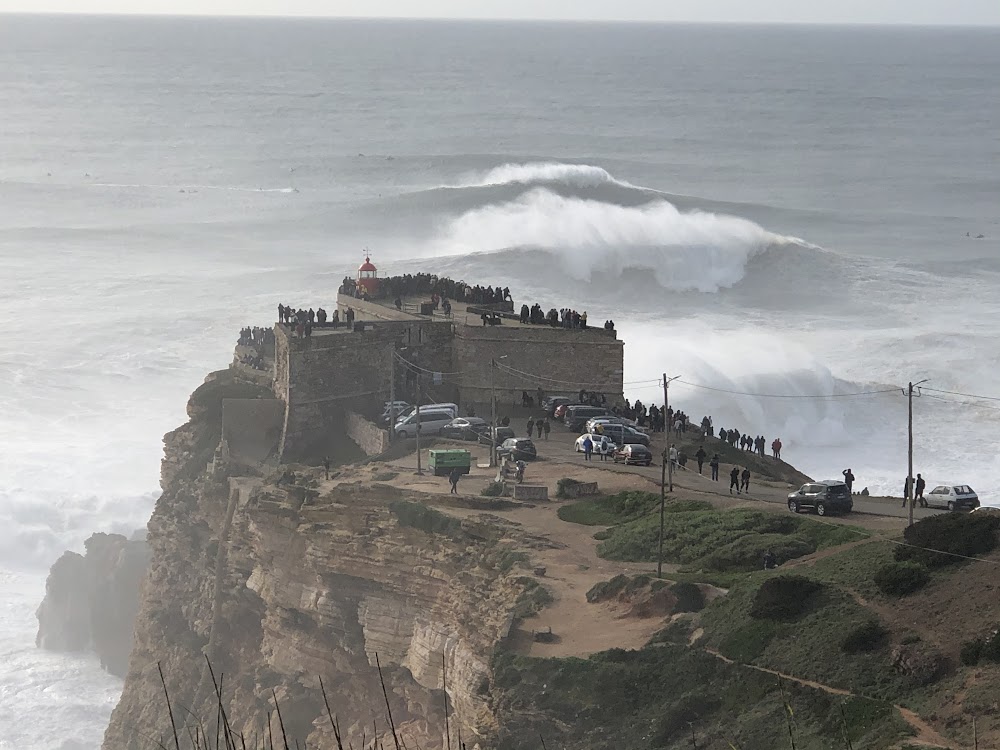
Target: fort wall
[{"x": 567, "y": 359}]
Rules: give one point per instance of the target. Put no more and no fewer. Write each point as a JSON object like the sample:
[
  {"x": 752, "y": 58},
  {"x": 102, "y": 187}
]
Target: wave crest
[
  {"x": 687, "y": 251},
  {"x": 579, "y": 175}
]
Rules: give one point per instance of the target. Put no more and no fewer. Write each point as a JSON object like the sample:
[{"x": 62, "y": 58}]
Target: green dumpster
[{"x": 443, "y": 461}]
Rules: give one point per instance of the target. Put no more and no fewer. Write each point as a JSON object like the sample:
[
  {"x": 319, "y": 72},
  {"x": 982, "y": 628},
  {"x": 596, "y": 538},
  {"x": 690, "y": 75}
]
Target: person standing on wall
[{"x": 849, "y": 480}]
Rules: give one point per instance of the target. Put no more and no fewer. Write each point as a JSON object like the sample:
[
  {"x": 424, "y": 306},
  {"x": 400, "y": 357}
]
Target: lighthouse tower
[{"x": 368, "y": 277}]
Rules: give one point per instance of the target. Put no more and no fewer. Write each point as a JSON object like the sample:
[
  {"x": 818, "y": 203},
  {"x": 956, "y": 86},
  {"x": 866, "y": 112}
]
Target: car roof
[{"x": 829, "y": 482}]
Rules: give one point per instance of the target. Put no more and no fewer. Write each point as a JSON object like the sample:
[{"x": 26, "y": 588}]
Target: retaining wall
[{"x": 368, "y": 436}]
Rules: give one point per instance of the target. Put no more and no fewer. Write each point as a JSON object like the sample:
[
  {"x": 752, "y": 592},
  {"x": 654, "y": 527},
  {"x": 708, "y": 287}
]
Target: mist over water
[{"x": 771, "y": 221}]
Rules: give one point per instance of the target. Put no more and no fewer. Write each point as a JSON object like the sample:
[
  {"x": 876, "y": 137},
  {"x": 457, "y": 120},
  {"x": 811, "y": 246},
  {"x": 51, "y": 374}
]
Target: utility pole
[
  {"x": 909, "y": 447},
  {"x": 668, "y": 426},
  {"x": 392, "y": 396},
  {"x": 663, "y": 502},
  {"x": 419, "y": 470},
  {"x": 493, "y": 413}
]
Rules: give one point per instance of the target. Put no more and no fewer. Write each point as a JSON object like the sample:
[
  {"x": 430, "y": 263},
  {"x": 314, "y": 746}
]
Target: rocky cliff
[
  {"x": 280, "y": 581},
  {"x": 91, "y": 600}
]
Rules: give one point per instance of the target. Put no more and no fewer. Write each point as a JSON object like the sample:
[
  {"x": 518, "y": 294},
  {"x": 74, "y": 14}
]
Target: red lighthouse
[{"x": 368, "y": 277}]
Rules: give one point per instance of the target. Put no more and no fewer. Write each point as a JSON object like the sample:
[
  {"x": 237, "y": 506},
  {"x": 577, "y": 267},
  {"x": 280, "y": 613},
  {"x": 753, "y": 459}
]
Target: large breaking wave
[{"x": 556, "y": 211}]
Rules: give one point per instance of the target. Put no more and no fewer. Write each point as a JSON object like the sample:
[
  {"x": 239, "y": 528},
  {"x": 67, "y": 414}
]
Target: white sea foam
[
  {"x": 685, "y": 250},
  {"x": 580, "y": 175}
]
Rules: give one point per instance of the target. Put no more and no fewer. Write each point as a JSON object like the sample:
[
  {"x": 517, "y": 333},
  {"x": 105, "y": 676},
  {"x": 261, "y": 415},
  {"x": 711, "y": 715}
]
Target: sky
[{"x": 924, "y": 12}]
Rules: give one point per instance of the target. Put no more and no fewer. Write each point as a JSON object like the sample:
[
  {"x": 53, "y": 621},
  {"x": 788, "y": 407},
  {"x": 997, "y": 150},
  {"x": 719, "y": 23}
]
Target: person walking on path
[
  {"x": 906, "y": 491},
  {"x": 849, "y": 480},
  {"x": 455, "y": 475},
  {"x": 734, "y": 481},
  {"x": 588, "y": 448},
  {"x": 326, "y": 466},
  {"x": 673, "y": 456},
  {"x": 548, "y": 427},
  {"x": 700, "y": 455},
  {"x": 714, "y": 465},
  {"x": 531, "y": 426},
  {"x": 745, "y": 477},
  {"x": 921, "y": 484},
  {"x": 605, "y": 449},
  {"x": 538, "y": 426}
]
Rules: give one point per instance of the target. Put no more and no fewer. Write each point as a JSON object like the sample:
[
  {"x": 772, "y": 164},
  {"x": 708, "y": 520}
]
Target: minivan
[
  {"x": 432, "y": 419},
  {"x": 453, "y": 408}
]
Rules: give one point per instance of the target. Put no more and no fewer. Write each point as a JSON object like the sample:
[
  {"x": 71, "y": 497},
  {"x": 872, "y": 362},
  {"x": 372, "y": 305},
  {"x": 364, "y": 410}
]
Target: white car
[
  {"x": 952, "y": 497},
  {"x": 402, "y": 407},
  {"x": 591, "y": 426},
  {"x": 596, "y": 440}
]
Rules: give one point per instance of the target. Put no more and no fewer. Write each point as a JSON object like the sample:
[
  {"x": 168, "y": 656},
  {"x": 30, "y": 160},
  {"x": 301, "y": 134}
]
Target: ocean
[{"x": 785, "y": 212}]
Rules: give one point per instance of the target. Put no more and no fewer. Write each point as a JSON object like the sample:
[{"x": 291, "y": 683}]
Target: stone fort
[{"x": 324, "y": 381}]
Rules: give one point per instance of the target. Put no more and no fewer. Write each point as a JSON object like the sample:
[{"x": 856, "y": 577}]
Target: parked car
[
  {"x": 551, "y": 403},
  {"x": 984, "y": 509},
  {"x": 577, "y": 416},
  {"x": 827, "y": 496},
  {"x": 402, "y": 408},
  {"x": 431, "y": 422},
  {"x": 595, "y": 439},
  {"x": 465, "y": 428},
  {"x": 520, "y": 449},
  {"x": 453, "y": 408},
  {"x": 623, "y": 434},
  {"x": 560, "y": 411},
  {"x": 634, "y": 453},
  {"x": 502, "y": 434},
  {"x": 953, "y": 497},
  {"x": 606, "y": 420}
]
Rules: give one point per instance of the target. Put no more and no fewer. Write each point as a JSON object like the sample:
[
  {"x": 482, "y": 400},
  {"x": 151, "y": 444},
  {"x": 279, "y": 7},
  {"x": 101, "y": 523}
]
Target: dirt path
[{"x": 925, "y": 733}]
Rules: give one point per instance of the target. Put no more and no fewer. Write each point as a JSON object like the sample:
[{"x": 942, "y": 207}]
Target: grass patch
[
  {"x": 705, "y": 539},
  {"x": 623, "y": 506},
  {"x": 419, "y": 516},
  {"x": 901, "y": 578},
  {"x": 662, "y": 697}
]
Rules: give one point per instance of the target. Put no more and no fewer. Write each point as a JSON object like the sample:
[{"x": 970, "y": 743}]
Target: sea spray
[{"x": 685, "y": 250}]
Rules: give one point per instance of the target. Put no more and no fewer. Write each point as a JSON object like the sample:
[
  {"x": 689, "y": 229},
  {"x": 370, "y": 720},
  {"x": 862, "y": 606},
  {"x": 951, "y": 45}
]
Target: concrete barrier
[
  {"x": 579, "y": 489},
  {"x": 530, "y": 492}
]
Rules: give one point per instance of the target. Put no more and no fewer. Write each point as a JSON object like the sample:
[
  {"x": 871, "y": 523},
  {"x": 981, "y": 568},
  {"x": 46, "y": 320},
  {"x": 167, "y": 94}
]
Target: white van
[
  {"x": 453, "y": 408},
  {"x": 432, "y": 419}
]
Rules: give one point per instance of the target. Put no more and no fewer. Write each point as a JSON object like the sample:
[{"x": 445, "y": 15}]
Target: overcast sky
[{"x": 974, "y": 12}]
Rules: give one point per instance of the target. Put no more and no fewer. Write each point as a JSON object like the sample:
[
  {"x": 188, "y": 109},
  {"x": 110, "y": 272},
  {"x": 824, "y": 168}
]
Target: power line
[
  {"x": 788, "y": 395},
  {"x": 958, "y": 393}
]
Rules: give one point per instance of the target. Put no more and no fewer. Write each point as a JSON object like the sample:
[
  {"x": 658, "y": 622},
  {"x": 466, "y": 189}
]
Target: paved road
[{"x": 560, "y": 448}]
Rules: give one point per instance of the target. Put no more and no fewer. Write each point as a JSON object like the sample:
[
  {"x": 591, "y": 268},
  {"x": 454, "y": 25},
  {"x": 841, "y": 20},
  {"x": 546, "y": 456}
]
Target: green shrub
[
  {"x": 563, "y": 484},
  {"x": 677, "y": 632},
  {"x": 784, "y": 597},
  {"x": 533, "y": 599},
  {"x": 901, "y": 578},
  {"x": 866, "y": 637},
  {"x": 678, "y": 717},
  {"x": 967, "y": 534},
  {"x": 972, "y": 652},
  {"x": 419, "y": 516},
  {"x": 747, "y": 642},
  {"x": 689, "y": 597},
  {"x": 747, "y": 552},
  {"x": 493, "y": 489}
]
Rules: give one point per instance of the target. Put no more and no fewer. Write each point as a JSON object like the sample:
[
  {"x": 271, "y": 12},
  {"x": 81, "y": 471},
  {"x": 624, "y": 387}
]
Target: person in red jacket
[{"x": 776, "y": 448}]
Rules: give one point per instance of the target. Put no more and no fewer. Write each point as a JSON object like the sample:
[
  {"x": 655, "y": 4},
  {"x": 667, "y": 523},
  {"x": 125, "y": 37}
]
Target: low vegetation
[
  {"x": 901, "y": 578},
  {"x": 493, "y": 489},
  {"x": 697, "y": 536},
  {"x": 982, "y": 650},
  {"x": 420, "y": 516},
  {"x": 868, "y": 636},
  {"x": 672, "y": 697},
  {"x": 949, "y": 539},
  {"x": 533, "y": 599},
  {"x": 784, "y": 598}
]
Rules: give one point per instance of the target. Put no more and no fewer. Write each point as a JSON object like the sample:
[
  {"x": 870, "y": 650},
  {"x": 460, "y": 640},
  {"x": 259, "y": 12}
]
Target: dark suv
[
  {"x": 578, "y": 415},
  {"x": 827, "y": 496}
]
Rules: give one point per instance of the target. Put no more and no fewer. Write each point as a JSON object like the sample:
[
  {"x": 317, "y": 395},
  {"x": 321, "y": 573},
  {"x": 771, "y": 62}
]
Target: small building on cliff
[{"x": 432, "y": 356}]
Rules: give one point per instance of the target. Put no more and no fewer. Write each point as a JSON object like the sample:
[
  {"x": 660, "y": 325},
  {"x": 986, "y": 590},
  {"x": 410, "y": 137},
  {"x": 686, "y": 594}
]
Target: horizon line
[{"x": 496, "y": 19}]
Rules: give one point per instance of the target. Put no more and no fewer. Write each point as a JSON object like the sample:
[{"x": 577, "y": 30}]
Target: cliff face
[
  {"x": 277, "y": 594},
  {"x": 91, "y": 600}
]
